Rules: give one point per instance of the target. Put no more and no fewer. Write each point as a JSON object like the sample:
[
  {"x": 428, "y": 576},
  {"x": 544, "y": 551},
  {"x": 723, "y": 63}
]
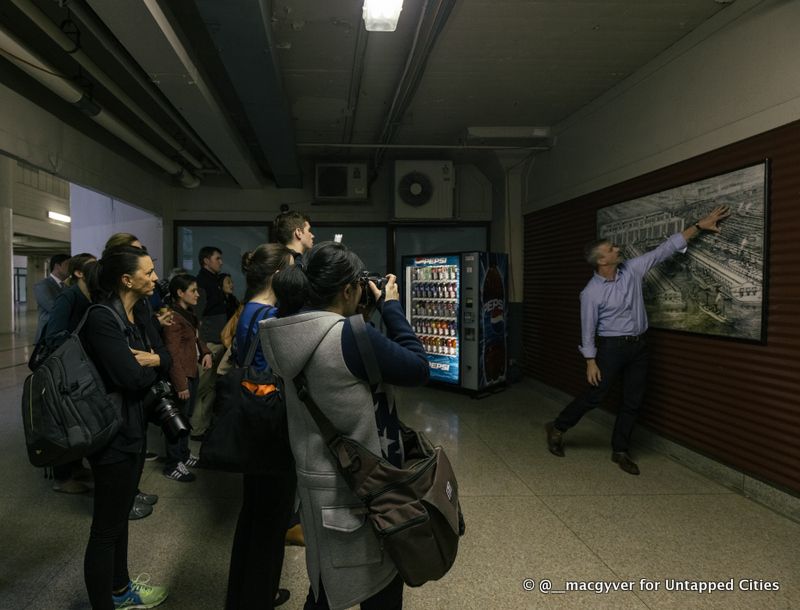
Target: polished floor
[{"x": 533, "y": 520}]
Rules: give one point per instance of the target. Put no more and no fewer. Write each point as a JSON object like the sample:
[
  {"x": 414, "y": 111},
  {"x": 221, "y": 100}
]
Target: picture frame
[{"x": 718, "y": 287}]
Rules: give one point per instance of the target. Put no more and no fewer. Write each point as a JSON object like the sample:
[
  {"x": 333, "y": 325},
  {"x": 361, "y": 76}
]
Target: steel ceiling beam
[
  {"x": 147, "y": 34},
  {"x": 242, "y": 34}
]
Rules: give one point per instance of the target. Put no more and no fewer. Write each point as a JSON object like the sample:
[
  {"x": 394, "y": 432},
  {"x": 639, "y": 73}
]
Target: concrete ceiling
[{"x": 251, "y": 86}]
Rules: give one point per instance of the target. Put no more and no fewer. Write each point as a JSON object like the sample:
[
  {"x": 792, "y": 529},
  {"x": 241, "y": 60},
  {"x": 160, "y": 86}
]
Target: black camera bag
[
  {"x": 414, "y": 509},
  {"x": 66, "y": 412},
  {"x": 249, "y": 432}
]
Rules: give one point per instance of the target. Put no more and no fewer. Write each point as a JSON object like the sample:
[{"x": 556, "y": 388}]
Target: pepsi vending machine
[{"x": 456, "y": 303}]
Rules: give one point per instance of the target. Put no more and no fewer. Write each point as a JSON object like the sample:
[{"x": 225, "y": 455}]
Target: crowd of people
[
  {"x": 188, "y": 331},
  {"x": 295, "y": 318}
]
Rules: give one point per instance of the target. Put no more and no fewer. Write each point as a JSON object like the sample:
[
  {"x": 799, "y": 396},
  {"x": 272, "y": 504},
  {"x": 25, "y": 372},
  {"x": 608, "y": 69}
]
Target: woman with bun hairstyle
[
  {"x": 313, "y": 335},
  {"x": 267, "y": 497},
  {"x": 187, "y": 349},
  {"x": 129, "y": 365}
]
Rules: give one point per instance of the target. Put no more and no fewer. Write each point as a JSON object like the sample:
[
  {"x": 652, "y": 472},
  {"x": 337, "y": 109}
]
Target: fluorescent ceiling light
[
  {"x": 59, "y": 217},
  {"x": 382, "y": 15}
]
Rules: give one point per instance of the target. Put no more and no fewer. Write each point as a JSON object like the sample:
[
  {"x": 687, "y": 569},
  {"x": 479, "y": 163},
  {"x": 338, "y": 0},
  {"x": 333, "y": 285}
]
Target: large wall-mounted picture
[{"x": 719, "y": 286}]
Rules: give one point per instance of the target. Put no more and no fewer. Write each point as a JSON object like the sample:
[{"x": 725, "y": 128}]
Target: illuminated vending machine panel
[
  {"x": 483, "y": 319},
  {"x": 432, "y": 308}
]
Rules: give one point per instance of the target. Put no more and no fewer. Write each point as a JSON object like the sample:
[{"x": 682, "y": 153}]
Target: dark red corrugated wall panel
[{"x": 736, "y": 402}]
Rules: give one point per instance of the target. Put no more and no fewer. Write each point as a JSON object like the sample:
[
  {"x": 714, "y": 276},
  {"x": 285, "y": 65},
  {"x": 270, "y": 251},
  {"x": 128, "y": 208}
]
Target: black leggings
[
  {"x": 105, "y": 565},
  {"x": 258, "y": 545}
]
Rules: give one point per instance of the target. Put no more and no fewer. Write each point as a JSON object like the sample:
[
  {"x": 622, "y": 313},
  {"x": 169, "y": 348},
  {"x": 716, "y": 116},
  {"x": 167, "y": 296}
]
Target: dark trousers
[
  {"x": 388, "y": 598},
  {"x": 615, "y": 357},
  {"x": 63, "y": 472},
  {"x": 105, "y": 565},
  {"x": 258, "y": 544},
  {"x": 178, "y": 451}
]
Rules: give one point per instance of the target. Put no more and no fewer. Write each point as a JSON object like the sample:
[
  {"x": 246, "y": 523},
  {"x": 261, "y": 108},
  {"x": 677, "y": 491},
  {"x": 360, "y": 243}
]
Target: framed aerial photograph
[{"x": 718, "y": 287}]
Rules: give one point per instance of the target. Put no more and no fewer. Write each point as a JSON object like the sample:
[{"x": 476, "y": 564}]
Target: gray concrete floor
[{"x": 529, "y": 515}]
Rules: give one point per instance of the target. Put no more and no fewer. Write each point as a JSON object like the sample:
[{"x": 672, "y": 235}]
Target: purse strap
[
  {"x": 250, "y": 344},
  {"x": 329, "y": 433},
  {"x": 115, "y": 315}
]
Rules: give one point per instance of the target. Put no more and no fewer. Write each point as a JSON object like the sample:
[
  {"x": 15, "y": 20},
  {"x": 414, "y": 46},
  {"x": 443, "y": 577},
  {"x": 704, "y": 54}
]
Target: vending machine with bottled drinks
[{"x": 456, "y": 303}]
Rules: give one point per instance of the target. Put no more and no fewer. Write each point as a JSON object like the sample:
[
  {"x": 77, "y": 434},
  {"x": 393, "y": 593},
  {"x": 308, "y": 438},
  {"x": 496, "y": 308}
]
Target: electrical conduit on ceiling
[
  {"x": 115, "y": 49},
  {"x": 27, "y": 61},
  {"x": 67, "y": 44}
]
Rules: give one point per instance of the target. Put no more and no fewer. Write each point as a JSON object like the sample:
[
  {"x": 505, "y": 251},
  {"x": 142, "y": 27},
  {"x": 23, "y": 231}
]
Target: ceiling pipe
[
  {"x": 425, "y": 146},
  {"x": 433, "y": 17},
  {"x": 68, "y": 45},
  {"x": 27, "y": 61},
  {"x": 93, "y": 25},
  {"x": 356, "y": 75}
]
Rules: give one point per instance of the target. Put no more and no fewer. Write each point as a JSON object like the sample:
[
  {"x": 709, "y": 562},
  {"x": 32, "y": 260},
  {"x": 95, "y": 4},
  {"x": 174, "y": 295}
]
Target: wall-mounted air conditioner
[
  {"x": 423, "y": 189},
  {"x": 340, "y": 182}
]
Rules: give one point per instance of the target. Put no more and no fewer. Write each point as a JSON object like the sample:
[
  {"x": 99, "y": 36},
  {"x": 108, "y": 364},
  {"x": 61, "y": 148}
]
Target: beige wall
[
  {"x": 735, "y": 76},
  {"x": 31, "y": 134}
]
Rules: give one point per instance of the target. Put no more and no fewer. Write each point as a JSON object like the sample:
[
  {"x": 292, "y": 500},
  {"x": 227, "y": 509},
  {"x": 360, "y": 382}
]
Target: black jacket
[
  {"x": 211, "y": 306},
  {"x": 67, "y": 313},
  {"x": 110, "y": 352}
]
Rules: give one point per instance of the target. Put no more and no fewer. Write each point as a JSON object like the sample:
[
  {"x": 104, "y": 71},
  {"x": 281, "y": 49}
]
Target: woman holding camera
[
  {"x": 267, "y": 497},
  {"x": 345, "y": 561},
  {"x": 129, "y": 366},
  {"x": 186, "y": 348}
]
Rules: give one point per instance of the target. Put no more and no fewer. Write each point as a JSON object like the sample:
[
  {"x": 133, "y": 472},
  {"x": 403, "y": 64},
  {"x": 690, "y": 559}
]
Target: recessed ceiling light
[{"x": 59, "y": 217}]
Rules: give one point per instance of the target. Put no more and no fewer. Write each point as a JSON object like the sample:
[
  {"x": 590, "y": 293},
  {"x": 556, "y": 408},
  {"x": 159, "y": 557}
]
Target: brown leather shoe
[
  {"x": 555, "y": 439},
  {"x": 625, "y": 462}
]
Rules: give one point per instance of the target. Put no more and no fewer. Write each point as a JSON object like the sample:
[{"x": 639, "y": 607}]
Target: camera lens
[
  {"x": 158, "y": 401},
  {"x": 170, "y": 419}
]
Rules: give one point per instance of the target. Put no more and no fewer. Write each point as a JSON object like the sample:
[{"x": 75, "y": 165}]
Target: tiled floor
[{"x": 529, "y": 516}]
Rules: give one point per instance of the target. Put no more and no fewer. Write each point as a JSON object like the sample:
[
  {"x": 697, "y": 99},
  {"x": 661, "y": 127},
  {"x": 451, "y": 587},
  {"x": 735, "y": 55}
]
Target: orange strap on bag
[{"x": 258, "y": 389}]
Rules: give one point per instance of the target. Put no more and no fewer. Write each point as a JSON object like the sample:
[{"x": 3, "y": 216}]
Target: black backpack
[{"x": 66, "y": 412}]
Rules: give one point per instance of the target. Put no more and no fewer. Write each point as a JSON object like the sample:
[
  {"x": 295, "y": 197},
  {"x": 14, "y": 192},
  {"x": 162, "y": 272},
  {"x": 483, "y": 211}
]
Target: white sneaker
[{"x": 180, "y": 473}]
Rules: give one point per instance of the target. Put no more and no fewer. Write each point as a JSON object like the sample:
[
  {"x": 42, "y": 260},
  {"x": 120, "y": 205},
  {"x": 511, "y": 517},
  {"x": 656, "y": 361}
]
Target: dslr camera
[
  {"x": 367, "y": 298},
  {"x": 159, "y": 402}
]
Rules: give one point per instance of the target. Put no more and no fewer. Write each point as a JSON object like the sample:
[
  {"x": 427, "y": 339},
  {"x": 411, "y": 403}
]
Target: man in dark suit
[
  {"x": 212, "y": 313},
  {"x": 49, "y": 288}
]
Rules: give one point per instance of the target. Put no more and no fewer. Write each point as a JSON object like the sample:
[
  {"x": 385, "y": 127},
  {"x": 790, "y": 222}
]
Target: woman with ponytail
[
  {"x": 313, "y": 335},
  {"x": 267, "y": 498},
  {"x": 128, "y": 365}
]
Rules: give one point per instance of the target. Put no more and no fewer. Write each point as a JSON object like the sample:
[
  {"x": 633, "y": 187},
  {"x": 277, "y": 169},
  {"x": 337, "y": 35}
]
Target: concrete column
[
  {"x": 6, "y": 245},
  {"x": 515, "y": 165}
]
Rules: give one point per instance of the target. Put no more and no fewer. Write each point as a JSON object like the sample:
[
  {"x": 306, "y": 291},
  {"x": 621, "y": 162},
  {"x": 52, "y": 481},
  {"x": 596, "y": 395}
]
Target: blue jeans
[{"x": 615, "y": 356}]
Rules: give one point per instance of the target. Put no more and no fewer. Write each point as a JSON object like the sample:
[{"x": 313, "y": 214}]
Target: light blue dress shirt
[{"x": 614, "y": 308}]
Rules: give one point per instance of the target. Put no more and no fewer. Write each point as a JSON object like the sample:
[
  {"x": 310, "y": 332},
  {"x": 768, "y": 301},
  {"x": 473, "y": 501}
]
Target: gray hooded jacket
[{"x": 341, "y": 546}]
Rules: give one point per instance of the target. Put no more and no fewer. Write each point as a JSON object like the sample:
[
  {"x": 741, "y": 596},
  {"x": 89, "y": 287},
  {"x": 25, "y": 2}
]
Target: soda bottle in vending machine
[{"x": 494, "y": 324}]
